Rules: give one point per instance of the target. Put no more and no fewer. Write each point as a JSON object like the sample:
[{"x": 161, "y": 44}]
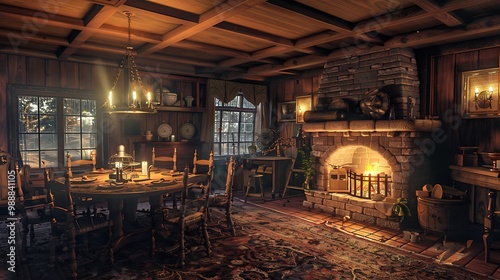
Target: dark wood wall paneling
[
  {"x": 40, "y": 72},
  {"x": 287, "y": 90},
  {"x": 481, "y": 132}
]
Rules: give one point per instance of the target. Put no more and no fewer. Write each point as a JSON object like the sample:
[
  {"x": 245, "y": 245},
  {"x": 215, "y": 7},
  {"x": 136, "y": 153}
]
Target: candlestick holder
[
  {"x": 483, "y": 99},
  {"x": 495, "y": 157}
]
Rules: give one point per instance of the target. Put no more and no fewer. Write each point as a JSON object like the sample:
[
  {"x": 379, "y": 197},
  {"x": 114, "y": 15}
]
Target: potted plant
[
  {"x": 401, "y": 209},
  {"x": 306, "y": 162}
]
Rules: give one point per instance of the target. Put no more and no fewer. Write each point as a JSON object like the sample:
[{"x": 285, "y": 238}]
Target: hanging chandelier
[{"x": 137, "y": 99}]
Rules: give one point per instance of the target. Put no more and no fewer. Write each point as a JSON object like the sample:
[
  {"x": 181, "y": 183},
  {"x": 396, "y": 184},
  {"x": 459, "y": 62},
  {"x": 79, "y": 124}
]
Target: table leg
[
  {"x": 155, "y": 202},
  {"x": 130, "y": 209},
  {"x": 115, "y": 213}
]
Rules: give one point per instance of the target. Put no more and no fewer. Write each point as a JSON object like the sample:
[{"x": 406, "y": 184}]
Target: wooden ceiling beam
[
  {"x": 430, "y": 36},
  {"x": 255, "y": 34},
  {"x": 433, "y": 9},
  {"x": 485, "y": 25},
  {"x": 191, "y": 45},
  {"x": 162, "y": 10},
  {"x": 17, "y": 38},
  {"x": 206, "y": 20},
  {"x": 17, "y": 14},
  {"x": 99, "y": 16},
  {"x": 334, "y": 23}
]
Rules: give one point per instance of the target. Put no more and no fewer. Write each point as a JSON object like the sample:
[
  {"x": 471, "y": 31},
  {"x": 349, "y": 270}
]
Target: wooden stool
[{"x": 251, "y": 182}]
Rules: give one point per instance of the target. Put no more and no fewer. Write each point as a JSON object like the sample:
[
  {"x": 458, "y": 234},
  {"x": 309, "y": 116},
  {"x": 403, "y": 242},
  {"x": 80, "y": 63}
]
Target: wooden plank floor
[{"x": 433, "y": 246}]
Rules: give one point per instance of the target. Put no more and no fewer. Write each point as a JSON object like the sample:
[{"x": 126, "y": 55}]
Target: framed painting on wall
[
  {"x": 480, "y": 97},
  {"x": 286, "y": 111},
  {"x": 303, "y": 105}
]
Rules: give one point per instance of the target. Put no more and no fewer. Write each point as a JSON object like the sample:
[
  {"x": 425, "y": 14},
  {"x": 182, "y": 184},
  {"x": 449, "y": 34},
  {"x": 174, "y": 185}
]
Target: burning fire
[{"x": 371, "y": 169}]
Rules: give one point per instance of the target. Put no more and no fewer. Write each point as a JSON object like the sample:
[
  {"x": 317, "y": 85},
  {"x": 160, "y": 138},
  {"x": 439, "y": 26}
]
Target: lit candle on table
[{"x": 144, "y": 168}]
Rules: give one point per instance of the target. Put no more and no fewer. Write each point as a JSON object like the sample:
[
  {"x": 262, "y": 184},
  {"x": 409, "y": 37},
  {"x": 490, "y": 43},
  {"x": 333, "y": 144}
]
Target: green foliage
[
  {"x": 401, "y": 209},
  {"x": 306, "y": 164}
]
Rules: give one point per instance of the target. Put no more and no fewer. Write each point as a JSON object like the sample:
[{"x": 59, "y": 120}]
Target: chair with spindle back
[
  {"x": 224, "y": 200},
  {"x": 65, "y": 222},
  {"x": 80, "y": 163},
  {"x": 33, "y": 212},
  {"x": 190, "y": 217},
  {"x": 160, "y": 160},
  {"x": 88, "y": 165},
  {"x": 202, "y": 162}
]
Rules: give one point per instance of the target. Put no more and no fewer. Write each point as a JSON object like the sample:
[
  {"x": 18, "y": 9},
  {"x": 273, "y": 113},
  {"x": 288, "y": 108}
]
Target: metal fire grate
[{"x": 364, "y": 186}]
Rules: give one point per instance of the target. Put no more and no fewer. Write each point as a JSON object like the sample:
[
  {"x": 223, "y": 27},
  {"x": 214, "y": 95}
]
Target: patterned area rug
[{"x": 268, "y": 245}]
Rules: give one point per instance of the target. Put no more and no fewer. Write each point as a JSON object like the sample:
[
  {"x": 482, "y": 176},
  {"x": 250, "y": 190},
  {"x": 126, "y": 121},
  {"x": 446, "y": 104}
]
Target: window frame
[
  {"x": 239, "y": 110},
  {"x": 14, "y": 91}
]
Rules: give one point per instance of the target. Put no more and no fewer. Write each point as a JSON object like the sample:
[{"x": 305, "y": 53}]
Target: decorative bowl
[
  {"x": 169, "y": 98},
  {"x": 485, "y": 158}
]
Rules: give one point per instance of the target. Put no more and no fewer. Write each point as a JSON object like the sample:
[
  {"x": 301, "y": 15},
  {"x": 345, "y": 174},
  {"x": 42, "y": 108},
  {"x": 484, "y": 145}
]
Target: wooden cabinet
[{"x": 185, "y": 151}]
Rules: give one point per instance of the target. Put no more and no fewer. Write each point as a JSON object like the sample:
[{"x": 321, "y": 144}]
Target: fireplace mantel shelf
[{"x": 416, "y": 125}]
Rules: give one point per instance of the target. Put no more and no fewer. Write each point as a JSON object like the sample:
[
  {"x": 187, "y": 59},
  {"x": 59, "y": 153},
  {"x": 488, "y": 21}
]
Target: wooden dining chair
[
  {"x": 491, "y": 226},
  {"x": 224, "y": 200},
  {"x": 161, "y": 161},
  {"x": 177, "y": 224},
  {"x": 33, "y": 211},
  {"x": 80, "y": 163},
  {"x": 88, "y": 165},
  {"x": 64, "y": 221},
  {"x": 205, "y": 163}
]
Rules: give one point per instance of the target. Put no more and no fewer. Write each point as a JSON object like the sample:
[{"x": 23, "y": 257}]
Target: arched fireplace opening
[{"x": 357, "y": 170}]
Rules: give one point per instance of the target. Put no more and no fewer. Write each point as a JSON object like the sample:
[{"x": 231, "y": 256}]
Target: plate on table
[
  {"x": 82, "y": 180},
  {"x": 139, "y": 179},
  {"x": 170, "y": 173},
  {"x": 161, "y": 182},
  {"x": 103, "y": 171}
]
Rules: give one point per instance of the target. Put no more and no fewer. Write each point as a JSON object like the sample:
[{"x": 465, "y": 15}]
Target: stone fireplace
[{"x": 387, "y": 156}]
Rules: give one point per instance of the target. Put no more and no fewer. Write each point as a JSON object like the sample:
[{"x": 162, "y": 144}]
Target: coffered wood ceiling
[{"x": 236, "y": 39}]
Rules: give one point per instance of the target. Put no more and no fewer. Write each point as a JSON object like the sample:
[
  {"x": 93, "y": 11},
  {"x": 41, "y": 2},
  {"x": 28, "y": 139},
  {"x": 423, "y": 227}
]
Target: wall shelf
[{"x": 181, "y": 109}]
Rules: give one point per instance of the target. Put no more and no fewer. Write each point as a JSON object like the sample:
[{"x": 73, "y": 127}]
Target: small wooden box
[{"x": 466, "y": 160}]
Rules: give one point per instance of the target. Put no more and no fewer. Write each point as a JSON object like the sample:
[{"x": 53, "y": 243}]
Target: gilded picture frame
[
  {"x": 304, "y": 104},
  {"x": 480, "y": 93}
]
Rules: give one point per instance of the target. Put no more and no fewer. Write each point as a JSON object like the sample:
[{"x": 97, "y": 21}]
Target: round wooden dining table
[{"x": 122, "y": 197}]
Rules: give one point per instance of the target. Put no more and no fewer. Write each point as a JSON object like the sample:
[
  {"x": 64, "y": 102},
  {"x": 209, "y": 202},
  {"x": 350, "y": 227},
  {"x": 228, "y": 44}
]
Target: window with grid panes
[
  {"x": 48, "y": 127},
  {"x": 234, "y": 126}
]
